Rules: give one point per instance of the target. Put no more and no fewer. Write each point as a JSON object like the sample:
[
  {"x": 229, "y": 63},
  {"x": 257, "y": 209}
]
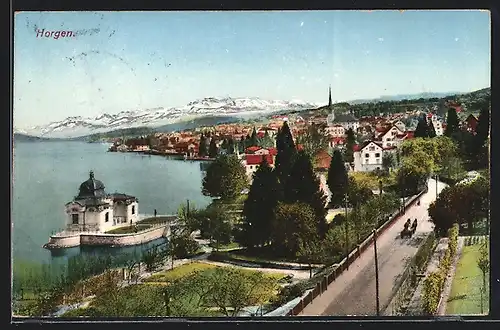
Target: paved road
[{"x": 353, "y": 293}]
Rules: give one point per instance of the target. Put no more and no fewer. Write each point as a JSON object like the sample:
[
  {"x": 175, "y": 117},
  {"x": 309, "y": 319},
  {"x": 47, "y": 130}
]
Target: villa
[{"x": 95, "y": 210}]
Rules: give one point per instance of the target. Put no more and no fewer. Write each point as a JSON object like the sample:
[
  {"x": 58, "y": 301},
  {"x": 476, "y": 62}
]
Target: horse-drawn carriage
[{"x": 409, "y": 228}]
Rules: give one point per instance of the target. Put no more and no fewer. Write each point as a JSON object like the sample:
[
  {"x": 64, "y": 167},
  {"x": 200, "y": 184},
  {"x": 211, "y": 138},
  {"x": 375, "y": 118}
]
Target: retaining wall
[
  {"x": 322, "y": 286},
  {"x": 109, "y": 239}
]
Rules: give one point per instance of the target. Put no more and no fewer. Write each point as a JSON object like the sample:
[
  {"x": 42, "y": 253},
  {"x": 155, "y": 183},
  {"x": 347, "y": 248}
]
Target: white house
[
  {"x": 94, "y": 210},
  {"x": 400, "y": 125},
  {"x": 436, "y": 122},
  {"x": 368, "y": 157},
  {"x": 392, "y": 137}
]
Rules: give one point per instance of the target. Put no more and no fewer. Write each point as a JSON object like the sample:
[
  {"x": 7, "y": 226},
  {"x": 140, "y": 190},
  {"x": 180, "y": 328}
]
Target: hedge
[{"x": 434, "y": 283}]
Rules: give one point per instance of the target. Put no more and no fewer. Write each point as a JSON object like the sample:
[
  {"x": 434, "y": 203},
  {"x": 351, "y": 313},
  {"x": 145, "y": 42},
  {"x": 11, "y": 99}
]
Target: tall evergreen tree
[
  {"x": 212, "y": 149},
  {"x": 286, "y": 152},
  {"x": 241, "y": 145},
  {"x": 230, "y": 146},
  {"x": 337, "y": 179},
  {"x": 253, "y": 138},
  {"x": 432, "y": 130},
  {"x": 203, "y": 150},
  {"x": 224, "y": 145},
  {"x": 422, "y": 130},
  {"x": 303, "y": 186},
  {"x": 483, "y": 126},
  {"x": 330, "y": 98},
  {"x": 452, "y": 123},
  {"x": 350, "y": 142},
  {"x": 258, "y": 209}
]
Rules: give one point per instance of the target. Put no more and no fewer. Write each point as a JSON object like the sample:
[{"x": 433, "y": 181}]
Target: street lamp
[
  {"x": 346, "y": 234},
  {"x": 168, "y": 300},
  {"x": 377, "y": 295}
]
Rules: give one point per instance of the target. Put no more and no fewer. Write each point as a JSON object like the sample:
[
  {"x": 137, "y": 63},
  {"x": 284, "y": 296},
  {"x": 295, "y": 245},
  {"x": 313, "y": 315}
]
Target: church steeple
[{"x": 330, "y": 97}]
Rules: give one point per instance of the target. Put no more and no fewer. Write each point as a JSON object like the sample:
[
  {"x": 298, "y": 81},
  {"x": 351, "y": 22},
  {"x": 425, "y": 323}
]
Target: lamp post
[
  {"x": 346, "y": 234},
  {"x": 168, "y": 300},
  {"x": 436, "y": 186},
  {"x": 377, "y": 295}
]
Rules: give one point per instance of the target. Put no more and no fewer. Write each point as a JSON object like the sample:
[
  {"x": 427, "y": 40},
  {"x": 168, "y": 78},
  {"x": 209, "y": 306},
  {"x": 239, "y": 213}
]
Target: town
[{"x": 297, "y": 199}]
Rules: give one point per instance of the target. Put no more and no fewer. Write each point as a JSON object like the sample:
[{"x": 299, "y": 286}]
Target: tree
[
  {"x": 225, "y": 178},
  {"x": 230, "y": 146},
  {"x": 349, "y": 148},
  {"x": 388, "y": 162},
  {"x": 218, "y": 224},
  {"x": 337, "y": 179},
  {"x": 483, "y": 263},
  {"x": 286, "y": 152},
  {"x": 432, "y": 130},
  {"x": 293, "y": 224},
  {"x": 313, "y": 140},
  {"x": 203, "y": 150},
  {"x": 452, "y": 123},
  {"x": 258, "y": 209},
  {"x": 303, "y": 186},
  {"x": 184, "y": 246},
  {"x": 267, "y": 141},
  {"x": 242, "y": 145},
  {"x": 233, "y": 289},
  {"x": 310, "y": 252},
  {"x": 253, "y": 138},
  {"x": 480, "y": 140},
  {"x": 461, "y": 203},
  {"x": 422, "y": 130},
  {"x": 212, "y": 149}
]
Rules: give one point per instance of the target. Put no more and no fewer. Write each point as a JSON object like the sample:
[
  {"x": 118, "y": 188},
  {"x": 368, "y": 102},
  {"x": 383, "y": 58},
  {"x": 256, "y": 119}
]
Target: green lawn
[
  {"x": 128, "y": 229},
  {"x": 179, "y": 272},
  {"x": 187, "y": 269},
  {"x": 154, "y": 220},
  {"x": 465, "y": 296},
  {"x": 232, "y": 245}
]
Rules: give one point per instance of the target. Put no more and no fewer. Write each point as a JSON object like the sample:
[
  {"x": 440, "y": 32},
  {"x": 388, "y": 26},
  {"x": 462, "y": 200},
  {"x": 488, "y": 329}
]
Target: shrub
[{"x": 433, "y": 285}]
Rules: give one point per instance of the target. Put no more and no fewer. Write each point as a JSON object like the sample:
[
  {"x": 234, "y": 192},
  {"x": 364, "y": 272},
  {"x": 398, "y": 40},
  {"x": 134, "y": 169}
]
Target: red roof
[
  {"x": 253, "y": 149},
  {"x": 257, "y": 159},
  {"x": 409, "y": 134},
  {"x": 300, "y": 147},
  {"x": 429, "y": 115},
  {"x": 272, "y": 151},
  {"x": 338, "y": 140},
  {"x": 260, "y": 134},
  {"x": 390, "y": 148},
  {"x": 356, "y": 147}
]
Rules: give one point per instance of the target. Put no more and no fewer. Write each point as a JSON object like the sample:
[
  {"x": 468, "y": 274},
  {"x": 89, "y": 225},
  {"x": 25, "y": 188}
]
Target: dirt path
[{"x": 353, "y": 292}]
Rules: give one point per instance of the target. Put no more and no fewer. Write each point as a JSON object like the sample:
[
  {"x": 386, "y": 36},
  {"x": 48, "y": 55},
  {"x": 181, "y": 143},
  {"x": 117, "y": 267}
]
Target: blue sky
[{"x": 131, "y": 60}]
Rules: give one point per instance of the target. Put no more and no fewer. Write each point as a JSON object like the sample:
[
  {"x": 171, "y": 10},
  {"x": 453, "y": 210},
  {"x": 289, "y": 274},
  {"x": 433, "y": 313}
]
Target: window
[
  {"x": 367, "y": 155},
  {"x": 372, "y": 148},
  {"x": 377, "y": 155},
  {"x": 133, "y": 209},
  {"x": 106, "y": 217},
  {"x": 74, "y": 218}
]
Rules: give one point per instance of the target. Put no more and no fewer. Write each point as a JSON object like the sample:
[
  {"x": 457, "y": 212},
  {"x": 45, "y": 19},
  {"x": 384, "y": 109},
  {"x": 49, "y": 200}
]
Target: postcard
[{"x": 251, "y": 163}]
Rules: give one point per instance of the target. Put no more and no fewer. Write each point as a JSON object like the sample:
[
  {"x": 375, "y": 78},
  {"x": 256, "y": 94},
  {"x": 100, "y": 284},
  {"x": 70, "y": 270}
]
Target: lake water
[{"x": 47, "y": 175}]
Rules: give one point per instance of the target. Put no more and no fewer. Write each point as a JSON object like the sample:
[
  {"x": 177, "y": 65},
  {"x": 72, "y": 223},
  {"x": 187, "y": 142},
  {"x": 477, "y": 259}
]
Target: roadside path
[{"x": 353, "y": 292}]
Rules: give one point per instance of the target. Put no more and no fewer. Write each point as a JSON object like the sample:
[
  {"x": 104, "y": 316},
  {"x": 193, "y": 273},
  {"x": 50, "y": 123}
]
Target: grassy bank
[{"x": 465, "y": 296}]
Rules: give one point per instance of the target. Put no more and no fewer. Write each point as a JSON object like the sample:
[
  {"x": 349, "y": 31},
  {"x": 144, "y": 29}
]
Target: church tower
[{"x": 330, "y": 97}]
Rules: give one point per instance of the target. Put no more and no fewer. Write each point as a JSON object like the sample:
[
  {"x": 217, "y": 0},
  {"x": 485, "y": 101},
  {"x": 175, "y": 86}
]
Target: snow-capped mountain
[{"x": 80, "y": 126}]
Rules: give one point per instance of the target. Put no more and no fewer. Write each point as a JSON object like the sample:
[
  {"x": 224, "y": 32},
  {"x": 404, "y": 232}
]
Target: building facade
[{"x": 95, "y": 210}]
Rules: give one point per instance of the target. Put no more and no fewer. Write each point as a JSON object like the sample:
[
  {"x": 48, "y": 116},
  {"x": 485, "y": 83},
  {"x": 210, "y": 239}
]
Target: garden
[{"x": 470, "y": 288}]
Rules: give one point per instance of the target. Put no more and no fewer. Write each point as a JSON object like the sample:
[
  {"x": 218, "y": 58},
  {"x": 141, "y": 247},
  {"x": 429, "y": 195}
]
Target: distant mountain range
[
  {"x": 240, "y": 107},
  {"x": 400, "y": 97},
  {"x": 207, "y": 111}
]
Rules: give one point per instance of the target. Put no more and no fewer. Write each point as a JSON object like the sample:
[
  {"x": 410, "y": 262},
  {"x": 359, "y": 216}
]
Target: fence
[{"x": 327, "y": 279}]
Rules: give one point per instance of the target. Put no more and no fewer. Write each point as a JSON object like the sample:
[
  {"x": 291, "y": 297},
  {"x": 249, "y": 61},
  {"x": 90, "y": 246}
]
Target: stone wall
[
  {"x": 123, "y": 239},
  {"x": 64, "y": 241},
  {"x": 108, "y": 239}
]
